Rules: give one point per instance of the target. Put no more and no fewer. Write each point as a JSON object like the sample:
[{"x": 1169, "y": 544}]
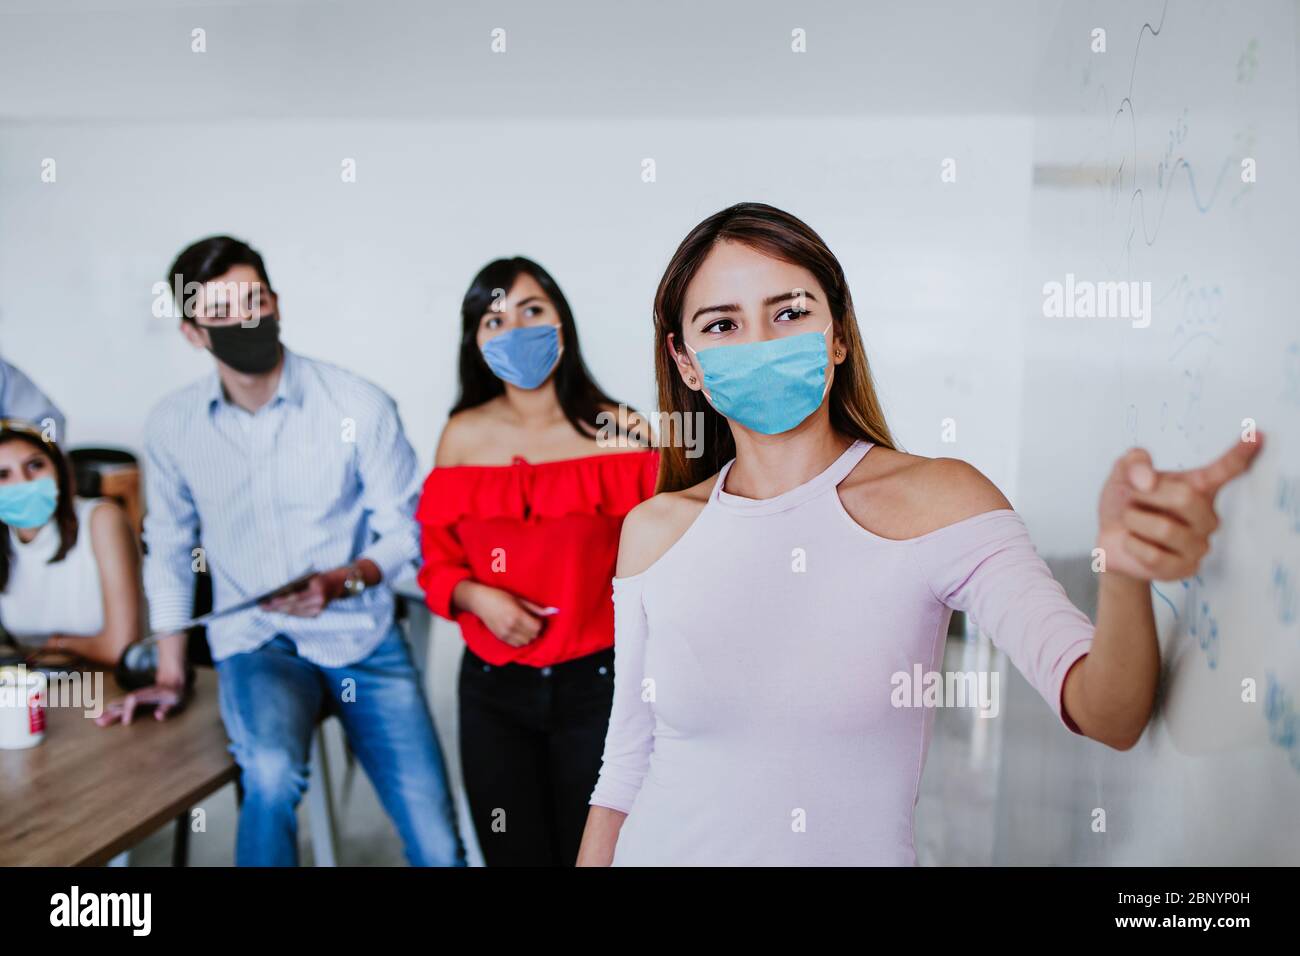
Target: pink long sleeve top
[{"x": 756, "y": 716}]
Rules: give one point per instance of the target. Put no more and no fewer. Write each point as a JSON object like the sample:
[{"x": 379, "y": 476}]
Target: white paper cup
[{"x": 22, "y": 707}]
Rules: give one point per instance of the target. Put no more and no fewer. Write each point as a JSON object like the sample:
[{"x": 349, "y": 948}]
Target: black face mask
[{"x": 252, "y": 350}]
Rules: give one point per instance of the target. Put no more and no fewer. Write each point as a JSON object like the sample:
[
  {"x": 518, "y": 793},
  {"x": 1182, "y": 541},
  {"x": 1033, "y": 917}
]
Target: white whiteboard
[{"x": 1138, "y": 177}]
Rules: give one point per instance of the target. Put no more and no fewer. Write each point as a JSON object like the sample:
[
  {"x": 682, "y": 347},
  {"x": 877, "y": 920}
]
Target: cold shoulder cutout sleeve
[{"x": 987, "y": 567}]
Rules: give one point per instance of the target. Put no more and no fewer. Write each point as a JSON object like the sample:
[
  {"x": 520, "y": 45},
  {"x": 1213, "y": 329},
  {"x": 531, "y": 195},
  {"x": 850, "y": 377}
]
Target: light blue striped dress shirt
[{"x": 318, "y": 477}]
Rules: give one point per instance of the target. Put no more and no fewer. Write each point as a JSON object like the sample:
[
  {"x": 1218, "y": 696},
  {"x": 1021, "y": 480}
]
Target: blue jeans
[{"x": 271, "y": 701}]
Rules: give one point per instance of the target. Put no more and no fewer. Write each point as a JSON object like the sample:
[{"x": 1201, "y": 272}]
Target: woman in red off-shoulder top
[{"x": 521, "y": 518}]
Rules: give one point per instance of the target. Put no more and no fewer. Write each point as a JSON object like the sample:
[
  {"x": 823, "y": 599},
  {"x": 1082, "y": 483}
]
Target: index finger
[{"x": 1232, "y": 463}]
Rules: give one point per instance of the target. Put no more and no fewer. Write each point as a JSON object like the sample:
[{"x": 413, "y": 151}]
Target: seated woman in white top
[{"x": 69, "y": 568}]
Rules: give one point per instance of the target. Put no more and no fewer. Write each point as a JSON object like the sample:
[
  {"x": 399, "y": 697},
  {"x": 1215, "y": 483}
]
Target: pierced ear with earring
[{"x": 691, "y": 379}]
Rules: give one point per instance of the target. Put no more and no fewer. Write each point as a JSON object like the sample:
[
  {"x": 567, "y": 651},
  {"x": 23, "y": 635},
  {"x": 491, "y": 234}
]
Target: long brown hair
[
  {"x": 854, "y": 408},
  {"x": 65, "y": 511},
  {"x": 580, "y": 398}
]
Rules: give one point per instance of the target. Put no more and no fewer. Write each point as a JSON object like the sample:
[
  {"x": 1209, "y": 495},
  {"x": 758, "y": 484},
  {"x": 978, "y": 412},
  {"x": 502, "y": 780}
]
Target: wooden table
[{"x": 87, "y": 793}]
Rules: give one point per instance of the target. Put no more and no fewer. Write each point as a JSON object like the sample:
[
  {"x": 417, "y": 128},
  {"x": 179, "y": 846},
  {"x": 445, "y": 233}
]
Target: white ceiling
[{"x": 64, "y": 60}]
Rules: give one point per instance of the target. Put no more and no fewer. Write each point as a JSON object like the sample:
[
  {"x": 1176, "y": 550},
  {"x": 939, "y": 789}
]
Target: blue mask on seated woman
[
  {"x": 29, "y": 504},
  {"x": 524, "y": 356},
  {"x": 769, "y": 387}
]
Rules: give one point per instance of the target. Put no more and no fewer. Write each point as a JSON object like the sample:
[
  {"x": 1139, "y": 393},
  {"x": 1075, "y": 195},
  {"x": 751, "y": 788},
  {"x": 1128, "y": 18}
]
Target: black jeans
[{"x": 531, "y": 741}]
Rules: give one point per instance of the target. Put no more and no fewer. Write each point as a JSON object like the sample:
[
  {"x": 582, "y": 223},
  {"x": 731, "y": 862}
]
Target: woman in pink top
[{"x": 767, "y": 597}]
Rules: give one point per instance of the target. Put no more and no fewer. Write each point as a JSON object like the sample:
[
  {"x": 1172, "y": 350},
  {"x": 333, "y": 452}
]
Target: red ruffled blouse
[{"x": 547, "y": 533}]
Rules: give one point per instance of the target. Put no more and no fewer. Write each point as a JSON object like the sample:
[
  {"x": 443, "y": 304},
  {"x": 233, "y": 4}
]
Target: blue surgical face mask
[
  {"x": 524, "y": 356},
  {"x": 771, "y": 386},
  {"x": 29, "y": 504}
]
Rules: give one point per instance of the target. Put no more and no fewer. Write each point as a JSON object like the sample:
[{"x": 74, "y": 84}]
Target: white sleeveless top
[{"x": 60, "y": 598}]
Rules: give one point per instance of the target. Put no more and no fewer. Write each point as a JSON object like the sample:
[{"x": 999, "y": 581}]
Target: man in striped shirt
[{"x": 273, "y": 466}]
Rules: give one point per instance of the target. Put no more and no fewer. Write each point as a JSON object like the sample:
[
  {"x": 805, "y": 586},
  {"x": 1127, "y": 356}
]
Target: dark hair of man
[{"x": 208, "y": 258}]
